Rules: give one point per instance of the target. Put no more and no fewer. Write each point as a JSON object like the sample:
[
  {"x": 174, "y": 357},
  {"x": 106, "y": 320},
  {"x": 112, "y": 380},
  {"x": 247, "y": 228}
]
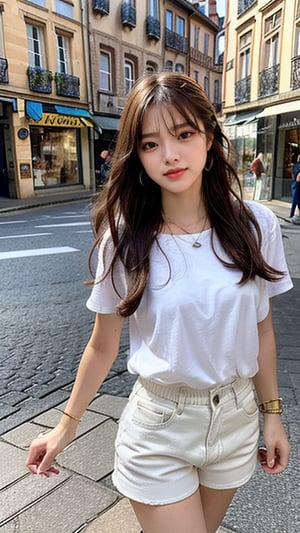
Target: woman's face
[{"x": 172, "y": 152}]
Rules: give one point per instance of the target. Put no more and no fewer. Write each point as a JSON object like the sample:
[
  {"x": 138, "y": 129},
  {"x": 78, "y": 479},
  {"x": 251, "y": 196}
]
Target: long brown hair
[{"x": 131, "y": 207}]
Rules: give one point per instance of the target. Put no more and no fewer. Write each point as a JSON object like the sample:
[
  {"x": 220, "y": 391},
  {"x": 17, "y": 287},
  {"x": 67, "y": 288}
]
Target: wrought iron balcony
[
  {"x": 40, "y": 79},
  {"x": 67, "y": 85},
  {"x": 242, "y": 90},
  {"x": 3, "y": 70},
  {"x": 295, "y": 76},
  {"x": 101, "y": 6},
  {"x": 176, "y": 41},
  {"x": 152, "y": 28},
  {"x": 243, "y": 5},
  {"x": 128, "y": 15},
  {"x": 268, "y": 81}
]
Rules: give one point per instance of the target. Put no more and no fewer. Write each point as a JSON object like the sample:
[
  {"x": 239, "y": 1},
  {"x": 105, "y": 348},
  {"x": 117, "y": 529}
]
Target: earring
[
  {"x": 210, "y": 164},
  {"x": 140, "y": 179}
]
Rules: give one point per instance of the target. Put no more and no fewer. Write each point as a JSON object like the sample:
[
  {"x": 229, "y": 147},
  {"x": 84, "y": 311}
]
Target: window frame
[
  {"x": 66, "y": 52},
  {"x": 34, "y": 54},
  {"x": 108, "y": 73},
  {"x": 129, "y": 80}
]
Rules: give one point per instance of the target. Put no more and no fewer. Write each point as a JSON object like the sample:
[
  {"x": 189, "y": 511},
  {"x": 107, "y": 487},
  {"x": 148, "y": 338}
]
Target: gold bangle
[
  {"x": 273, "y": 407},
  {"x": 72, "y": 416}
]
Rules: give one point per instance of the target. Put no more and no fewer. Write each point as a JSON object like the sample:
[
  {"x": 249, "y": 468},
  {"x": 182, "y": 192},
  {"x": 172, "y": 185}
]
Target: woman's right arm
[{"x": 97, "y": 359}]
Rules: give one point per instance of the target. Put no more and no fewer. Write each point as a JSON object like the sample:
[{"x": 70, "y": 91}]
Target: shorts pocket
[
  {"x": 152, "y": 414},
  {"x": 249, "y": 405}
]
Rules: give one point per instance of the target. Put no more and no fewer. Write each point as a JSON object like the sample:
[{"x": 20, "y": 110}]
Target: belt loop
[{"x": 181, "y": 400}]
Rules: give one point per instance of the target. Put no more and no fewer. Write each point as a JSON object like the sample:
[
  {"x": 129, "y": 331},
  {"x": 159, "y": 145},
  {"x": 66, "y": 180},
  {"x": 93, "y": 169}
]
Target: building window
[
  {"x": 179, "y": 68},
  {"x": 64, "y": 8},
  {"x": 105, "y": 81},
  {"x": 206, "y": 43},
  {"x": 180, "y": 26},
  {"x": 169, "y": 65},
  {"x": 63, "y": 58},
  {"x": 297, "y": 42},
  {"x": 153, "y": 10},
  {"x": 217, "y": 98},
  {"x": 196, "y": 76},
  {"x": 195, "y": 37},
  {"x": 129, "y": 77},
  {"x": 169, "y": 20},
  {"x": 151, "y": 67},
  {"x": 271, "y": 38},
  {"x": 206, "y": 84},
  {"x": 55, "y": 156},
  {"x": 35, "y": 42},
  {"x": 245, "y": 44}
]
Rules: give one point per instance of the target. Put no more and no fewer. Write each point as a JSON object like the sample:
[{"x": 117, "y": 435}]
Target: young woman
[{"x": 194, "y": 269}]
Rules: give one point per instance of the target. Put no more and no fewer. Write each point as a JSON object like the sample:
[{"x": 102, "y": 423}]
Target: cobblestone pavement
[{"x": 82, "y": 497}]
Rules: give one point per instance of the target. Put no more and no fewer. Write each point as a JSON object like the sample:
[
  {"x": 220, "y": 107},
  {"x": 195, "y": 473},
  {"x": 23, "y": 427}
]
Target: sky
[{"x": 221, "y": 7}]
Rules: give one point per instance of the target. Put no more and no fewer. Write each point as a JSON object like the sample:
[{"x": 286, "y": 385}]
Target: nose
[{"x": 171, "y": 154}]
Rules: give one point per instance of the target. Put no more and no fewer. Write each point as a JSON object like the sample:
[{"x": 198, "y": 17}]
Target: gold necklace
[{"x": 196, "y": 243}]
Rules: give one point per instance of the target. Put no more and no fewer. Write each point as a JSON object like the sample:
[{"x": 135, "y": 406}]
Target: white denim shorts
[{"x": 173, "y": 438}]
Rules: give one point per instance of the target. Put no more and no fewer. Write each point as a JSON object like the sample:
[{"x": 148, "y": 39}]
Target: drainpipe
[{"x": 85, "y": 32}]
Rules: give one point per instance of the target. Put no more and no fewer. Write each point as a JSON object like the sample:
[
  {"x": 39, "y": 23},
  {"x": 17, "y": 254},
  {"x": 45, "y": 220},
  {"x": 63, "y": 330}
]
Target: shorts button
[{"x": 216, "y": 399}]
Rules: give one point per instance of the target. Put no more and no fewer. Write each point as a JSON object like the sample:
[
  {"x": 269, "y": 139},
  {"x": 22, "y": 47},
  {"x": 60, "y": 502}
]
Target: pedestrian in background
[
  {"x": 296, "y": 192},
  {"x": 194, "y": 268}
]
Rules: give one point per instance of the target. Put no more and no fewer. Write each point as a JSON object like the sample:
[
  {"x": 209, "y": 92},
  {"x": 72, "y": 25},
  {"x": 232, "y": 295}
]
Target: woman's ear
[{"x": 210, "y": 140}]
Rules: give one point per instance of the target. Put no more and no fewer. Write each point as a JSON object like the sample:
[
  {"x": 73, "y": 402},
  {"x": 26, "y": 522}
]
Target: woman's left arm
[{"x": 265, "y": 381}]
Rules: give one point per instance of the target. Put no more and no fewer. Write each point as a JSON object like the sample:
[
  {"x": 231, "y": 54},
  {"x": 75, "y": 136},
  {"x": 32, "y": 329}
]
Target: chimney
[{"x": 212, "y": 11}]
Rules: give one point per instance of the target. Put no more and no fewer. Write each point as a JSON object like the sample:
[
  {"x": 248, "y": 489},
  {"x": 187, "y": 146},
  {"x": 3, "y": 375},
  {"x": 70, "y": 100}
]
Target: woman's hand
[
  {"x": 44, "y": 449},
  {"x": 274, "y": 458}
]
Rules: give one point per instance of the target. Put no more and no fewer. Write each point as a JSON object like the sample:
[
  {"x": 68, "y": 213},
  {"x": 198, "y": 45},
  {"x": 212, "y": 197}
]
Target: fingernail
[{"x": 271, "y": 463}]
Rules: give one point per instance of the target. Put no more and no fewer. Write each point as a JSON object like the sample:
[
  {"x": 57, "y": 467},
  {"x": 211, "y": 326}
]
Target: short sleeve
[
  {"x": 272, "y": 248},
  {"x": 107, "y": 293}
]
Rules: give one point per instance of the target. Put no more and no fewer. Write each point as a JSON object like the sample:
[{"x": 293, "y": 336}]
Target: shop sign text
[{"x": 62, "y": 121}]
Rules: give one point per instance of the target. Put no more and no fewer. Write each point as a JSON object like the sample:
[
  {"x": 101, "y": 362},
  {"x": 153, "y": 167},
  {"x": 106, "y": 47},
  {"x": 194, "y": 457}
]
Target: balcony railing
[
  {"x": 3, "y": 70},
  {"x": 176, "y": 41},
  {"x": 101, "y": 6},
  {"x": 152, "y": 28},
  {"x": 204, "y": 60},
  {"x": 40, "y": 79},
  {"x": 295, "y": 76},
  {"x": 243, "y": 5},
  {"x": 242, "y": 90},
  {"x": 128, "y": 15},
  {"x": 67, "y": 85},
  {"x": 268, "y": 81}
]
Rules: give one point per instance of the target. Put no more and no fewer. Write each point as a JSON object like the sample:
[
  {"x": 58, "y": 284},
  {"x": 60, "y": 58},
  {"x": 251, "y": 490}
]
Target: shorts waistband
[{"x": 192, "y": 396}]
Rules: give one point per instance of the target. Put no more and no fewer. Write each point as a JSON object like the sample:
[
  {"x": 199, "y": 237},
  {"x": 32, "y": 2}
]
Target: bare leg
[
  {"x": 196, "y": 514},
  {"x": 215, "y": 504},
  {"x": 185, "y": 516}
]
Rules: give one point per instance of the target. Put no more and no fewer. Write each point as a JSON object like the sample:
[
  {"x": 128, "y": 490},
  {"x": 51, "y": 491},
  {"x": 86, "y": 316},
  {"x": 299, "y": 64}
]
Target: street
[{"x": 45, "y": 324}]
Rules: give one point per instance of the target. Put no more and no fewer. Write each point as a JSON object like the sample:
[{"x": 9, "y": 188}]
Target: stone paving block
[
  {"x": 68, "y": 508},
  {"x": 22, "y": 435},
  {"x": 109, "y": 405},
  {"x": 92, "y": 455},
  {"x": 119, "y": 519},
  {"x": 52, "y": 417},
  {"x": 27, "y": 491},
  {"x": 12, "y": 464}
]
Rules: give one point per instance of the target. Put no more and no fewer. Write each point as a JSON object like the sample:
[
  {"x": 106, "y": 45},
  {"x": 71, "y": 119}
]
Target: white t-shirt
[{"x": 195, "y": 324}]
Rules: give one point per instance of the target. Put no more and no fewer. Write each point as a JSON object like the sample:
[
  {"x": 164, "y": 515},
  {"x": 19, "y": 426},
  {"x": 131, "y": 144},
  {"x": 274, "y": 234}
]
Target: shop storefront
[
  {"x": 273, "y": 132},
  {"x": 56, "y": 146}
]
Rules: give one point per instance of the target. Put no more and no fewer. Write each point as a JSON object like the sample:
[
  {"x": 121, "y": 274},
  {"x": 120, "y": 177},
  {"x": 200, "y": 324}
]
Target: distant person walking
[
  {"x": 296, "y": 192},
  {"x": 258, "y": 168}
]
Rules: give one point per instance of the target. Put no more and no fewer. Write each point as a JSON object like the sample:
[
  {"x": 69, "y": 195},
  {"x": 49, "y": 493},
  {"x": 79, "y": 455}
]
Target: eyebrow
[{"x": 173, "y": 128}]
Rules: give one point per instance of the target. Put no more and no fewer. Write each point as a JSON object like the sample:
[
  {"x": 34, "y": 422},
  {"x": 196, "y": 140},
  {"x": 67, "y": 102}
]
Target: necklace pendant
[{"x": 197, "y": 244}]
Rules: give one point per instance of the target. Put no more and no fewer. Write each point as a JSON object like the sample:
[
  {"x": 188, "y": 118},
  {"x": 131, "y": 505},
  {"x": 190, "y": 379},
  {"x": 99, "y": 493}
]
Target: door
[{"x": 3, "y": 168}]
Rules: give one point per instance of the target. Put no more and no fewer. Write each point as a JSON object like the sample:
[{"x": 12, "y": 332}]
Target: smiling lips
[{"x": 174, "y": 173}]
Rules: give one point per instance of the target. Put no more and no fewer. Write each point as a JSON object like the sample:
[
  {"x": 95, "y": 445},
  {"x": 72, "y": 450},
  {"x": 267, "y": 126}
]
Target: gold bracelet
[
  {"x": 273, "y": 407},
  {"x": 72, "y": 416}
]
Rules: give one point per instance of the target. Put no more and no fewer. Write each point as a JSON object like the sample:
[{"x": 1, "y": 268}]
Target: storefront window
[
  {"x": 55, "y": 157},
  {"x": 288, "y": 149}
]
